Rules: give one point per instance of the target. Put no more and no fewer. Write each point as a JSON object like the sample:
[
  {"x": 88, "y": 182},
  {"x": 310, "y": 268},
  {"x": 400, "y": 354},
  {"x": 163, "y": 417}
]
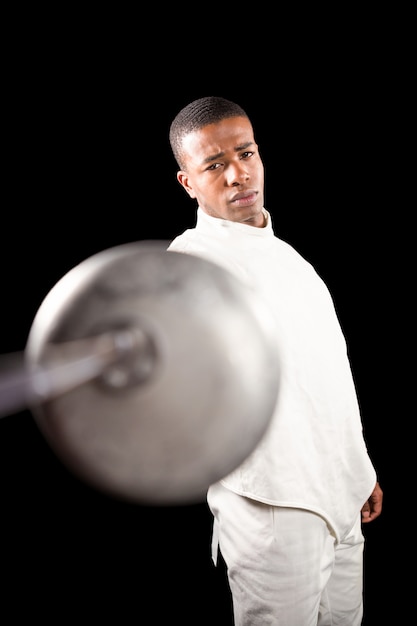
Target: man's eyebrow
[
  {"x": 244, "y": 146},
  {"x": 213, "y": 157},
  {"x": 219, "y": 155}
]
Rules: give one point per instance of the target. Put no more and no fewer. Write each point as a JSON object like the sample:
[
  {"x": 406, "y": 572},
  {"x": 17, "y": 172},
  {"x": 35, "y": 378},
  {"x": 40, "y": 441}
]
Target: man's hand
[{"x": 373, "y": 506}]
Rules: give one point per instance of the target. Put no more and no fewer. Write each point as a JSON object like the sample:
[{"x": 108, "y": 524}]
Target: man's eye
[
  {"x": 247, "y": 154},
  {"x": 214, "y": 166}
]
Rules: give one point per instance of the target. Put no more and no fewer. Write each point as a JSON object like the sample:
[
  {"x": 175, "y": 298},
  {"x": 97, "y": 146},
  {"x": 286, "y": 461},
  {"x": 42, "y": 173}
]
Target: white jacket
[{"x": 313, "y": 455}]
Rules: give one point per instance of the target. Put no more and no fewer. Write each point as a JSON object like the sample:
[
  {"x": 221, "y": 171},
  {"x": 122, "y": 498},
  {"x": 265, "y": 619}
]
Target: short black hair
[{"x": 195, "y": 115}]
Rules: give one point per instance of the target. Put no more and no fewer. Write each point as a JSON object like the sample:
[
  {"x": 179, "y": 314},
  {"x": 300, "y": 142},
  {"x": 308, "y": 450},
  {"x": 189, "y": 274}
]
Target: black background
[{"x": 87, "y": 166}]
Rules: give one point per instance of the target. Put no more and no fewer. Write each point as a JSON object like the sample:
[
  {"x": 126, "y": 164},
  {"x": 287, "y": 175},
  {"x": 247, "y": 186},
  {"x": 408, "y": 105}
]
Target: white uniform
[{"x": 313, "y": 456}]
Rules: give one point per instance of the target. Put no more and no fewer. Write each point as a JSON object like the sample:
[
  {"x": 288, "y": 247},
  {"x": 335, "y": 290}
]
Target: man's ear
[{"x": 183, "y": 180}]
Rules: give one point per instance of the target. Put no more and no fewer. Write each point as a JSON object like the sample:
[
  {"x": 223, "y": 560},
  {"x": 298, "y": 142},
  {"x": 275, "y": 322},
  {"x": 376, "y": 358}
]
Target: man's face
[{"x": 224, "y": 171}]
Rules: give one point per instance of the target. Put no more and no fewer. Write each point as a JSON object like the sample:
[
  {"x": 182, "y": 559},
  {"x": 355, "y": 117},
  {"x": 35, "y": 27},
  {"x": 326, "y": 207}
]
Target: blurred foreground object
[{"x": 151, "y": 374}]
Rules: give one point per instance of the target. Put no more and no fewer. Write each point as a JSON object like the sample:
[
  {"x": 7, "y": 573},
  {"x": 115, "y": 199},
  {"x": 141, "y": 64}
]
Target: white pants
[{"x": 284, "y": 566}]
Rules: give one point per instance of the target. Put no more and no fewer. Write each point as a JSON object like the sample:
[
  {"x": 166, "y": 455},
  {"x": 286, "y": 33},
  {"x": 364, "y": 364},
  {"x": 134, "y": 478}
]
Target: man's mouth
[{"x": 244, "y": 198}]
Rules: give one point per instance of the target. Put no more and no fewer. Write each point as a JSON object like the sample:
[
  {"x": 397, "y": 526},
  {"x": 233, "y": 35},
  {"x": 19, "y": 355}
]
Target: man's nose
[{"x": 237, "y": 174}]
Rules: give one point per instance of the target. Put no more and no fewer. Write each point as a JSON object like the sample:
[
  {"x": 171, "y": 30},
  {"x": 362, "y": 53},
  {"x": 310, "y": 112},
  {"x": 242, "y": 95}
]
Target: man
[{"x": 288, "y": 519}]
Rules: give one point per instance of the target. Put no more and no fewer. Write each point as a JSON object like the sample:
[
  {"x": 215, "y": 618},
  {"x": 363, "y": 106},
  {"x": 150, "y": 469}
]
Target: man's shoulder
[{"x": 182, "y": 240}]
